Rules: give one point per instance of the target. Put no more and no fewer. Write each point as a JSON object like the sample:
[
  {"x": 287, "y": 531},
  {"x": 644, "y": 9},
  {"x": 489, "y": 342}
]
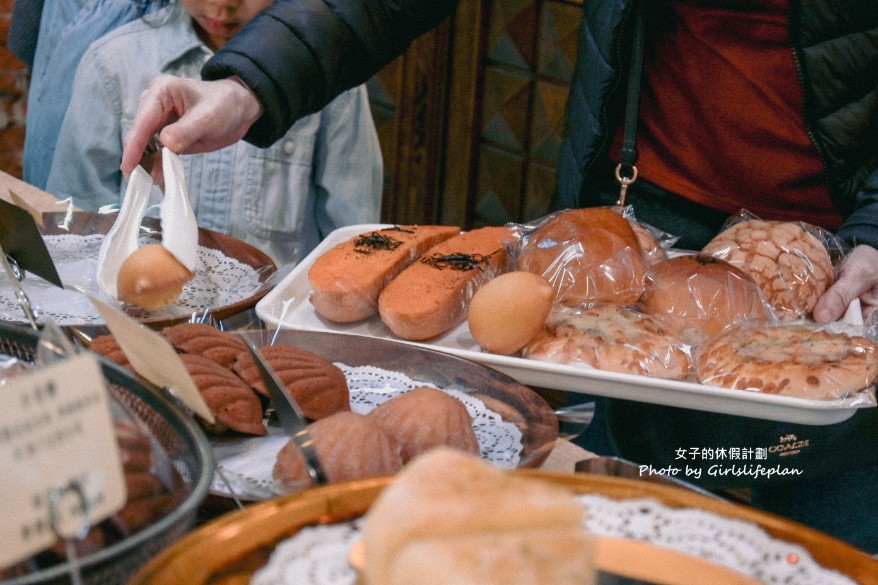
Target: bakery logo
[{"x": 789, "y": 444}]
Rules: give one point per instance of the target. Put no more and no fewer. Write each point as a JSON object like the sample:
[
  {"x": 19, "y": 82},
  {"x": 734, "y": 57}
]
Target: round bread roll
[
  {"x": 505, "y": 313},
  {"x": 791, "y": 361},
  {"x": 151, "y": 278},
  {"x": 789, "y": 263},
  {"x": 426, "y": 417},
  {"x": 701, "y": 295},
  {"x": 588, "y": 255},
  {"x": 444, "y": 497}
]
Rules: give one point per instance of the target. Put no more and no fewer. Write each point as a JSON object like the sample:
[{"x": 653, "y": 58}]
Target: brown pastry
[
  {"x": 791, "y": 361},
  {"x": 233, "y": 403},
  {"x": 349, "y": 445},
  {"x": 205, "y": 340},
  {"x": 316, "y": 384},
  {"x": 588, "y": 255},
  {"x": 700, "y": 295},
  {"x": 614, "y": 338},
  {"x": 107, "y": 346},
  {"x": 790, "y": 264},
  {"x": 426, "y": 417}
]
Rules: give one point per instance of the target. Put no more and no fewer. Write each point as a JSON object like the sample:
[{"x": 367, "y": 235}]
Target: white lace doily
[
  {"x": 219, "y": 281},
  {"x": 317, "y": 555},
  {"x": 244, "y": 465}
]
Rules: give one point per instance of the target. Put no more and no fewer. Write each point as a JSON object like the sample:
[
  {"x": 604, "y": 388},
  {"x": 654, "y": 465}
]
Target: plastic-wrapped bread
[{"x": 589, "y": 255}]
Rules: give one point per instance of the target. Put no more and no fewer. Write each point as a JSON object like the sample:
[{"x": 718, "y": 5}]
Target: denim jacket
[
  {"x": 66, "y": 28},
  {"x": 325, "y": 172}
]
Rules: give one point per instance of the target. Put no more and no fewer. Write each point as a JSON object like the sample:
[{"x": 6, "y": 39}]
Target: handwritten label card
[
  {"x": 153, "y": 357},
  {"x": 56, "y": 432}
]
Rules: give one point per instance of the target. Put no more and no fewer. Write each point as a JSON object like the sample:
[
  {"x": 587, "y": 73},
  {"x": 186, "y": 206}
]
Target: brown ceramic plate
[
  {"x": 87, "y": 223},
  {"x": 231, "y": 548}
]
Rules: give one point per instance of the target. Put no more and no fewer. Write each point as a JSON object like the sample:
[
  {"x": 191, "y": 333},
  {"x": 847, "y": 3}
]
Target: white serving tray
[{"x": 287, "y": 305}]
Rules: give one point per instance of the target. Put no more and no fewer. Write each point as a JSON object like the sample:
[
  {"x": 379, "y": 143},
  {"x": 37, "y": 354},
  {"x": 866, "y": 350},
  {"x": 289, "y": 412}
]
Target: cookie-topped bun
[
  {"x": 588, "y": 255},
  {"x": 701, "y": 295},
  {"x": 790, "y": 264}
]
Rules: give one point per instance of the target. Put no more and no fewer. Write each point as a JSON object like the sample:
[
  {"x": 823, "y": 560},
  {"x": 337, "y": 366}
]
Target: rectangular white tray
[{"x": 287, "y": 305}]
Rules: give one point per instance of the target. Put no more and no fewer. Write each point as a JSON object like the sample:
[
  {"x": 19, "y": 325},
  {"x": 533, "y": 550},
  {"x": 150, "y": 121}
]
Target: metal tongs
[{"x": 290, "y": 416}]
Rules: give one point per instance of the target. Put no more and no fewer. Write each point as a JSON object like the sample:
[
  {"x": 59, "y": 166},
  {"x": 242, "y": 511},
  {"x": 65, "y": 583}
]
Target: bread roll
[
  {"x": 509, "y": 310},
  {"x": 348, "y": 278},
  {"x": 151, "y": 278},
  {"x": 790, "y": 360},
  {"x": 431, "y": 296},
  {"x": 444, "y": 497},
  {"x": 700, "y": 295},
  {"x": 588, "y": 255}
]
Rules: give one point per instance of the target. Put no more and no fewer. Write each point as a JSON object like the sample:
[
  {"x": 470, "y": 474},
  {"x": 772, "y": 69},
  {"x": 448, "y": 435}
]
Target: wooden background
[{"x": 470, "y": 118}]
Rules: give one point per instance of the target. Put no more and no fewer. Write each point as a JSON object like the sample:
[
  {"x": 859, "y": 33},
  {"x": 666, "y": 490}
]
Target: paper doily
[
  {"x": 219, "y": 281},
  {"x": 244, "y": 465},
  {"x": 317, "y": 555}
]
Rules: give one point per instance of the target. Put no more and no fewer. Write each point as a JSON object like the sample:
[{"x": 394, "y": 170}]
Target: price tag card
[
  {"x": 21, "y": 239},
  {"x": 58, "y": 453},
  {"x": 153, "y": 357}
]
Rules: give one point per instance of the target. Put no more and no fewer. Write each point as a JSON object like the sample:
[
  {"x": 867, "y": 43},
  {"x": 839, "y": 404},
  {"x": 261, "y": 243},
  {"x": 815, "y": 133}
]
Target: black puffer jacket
[
  {"x": 297, "y": 55},
  {"x": 835, "y": 46}
]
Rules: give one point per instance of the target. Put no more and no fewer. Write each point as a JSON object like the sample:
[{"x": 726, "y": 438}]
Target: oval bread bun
[
  {"x": 151, "y": 278},
  {"x": 701, "y": 295},
  {"x": 509, "y": 311},
  {"x": 589, "y": 255}
]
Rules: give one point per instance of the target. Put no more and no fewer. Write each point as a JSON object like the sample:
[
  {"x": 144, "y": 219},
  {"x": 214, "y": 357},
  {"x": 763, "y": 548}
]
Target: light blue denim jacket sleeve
[
  {"x": 67, "y": 28},
  {"x": 324, "y": 173}
]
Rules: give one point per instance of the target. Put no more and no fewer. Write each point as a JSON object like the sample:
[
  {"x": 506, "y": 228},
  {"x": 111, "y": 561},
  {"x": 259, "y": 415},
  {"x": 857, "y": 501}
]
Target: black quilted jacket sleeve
[{"x": 297, "y": 55}]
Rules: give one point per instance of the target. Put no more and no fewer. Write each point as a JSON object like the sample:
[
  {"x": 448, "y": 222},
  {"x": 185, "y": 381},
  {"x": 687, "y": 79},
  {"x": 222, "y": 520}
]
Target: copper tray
[
  {"x": 230, "y": 549},
  {"x": 87, "y": 223}
]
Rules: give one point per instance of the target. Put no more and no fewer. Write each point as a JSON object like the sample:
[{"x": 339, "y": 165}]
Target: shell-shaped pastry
[
  {"x": 424, "y": 418},
  {"x": 233, "y": 403},
  {"x": 107, "y": 346},
  {"x": 349, "y": 446},
  {"x": 316, "y": 384},
  {"x": 205, "y": 340}
]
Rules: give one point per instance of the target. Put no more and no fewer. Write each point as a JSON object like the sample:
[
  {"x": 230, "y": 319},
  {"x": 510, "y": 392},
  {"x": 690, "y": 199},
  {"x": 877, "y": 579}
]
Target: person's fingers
[
  {"x": 857, "y": 278},
  {"x": 833, "y": 303},
  {"x": 155, "y": 109}
]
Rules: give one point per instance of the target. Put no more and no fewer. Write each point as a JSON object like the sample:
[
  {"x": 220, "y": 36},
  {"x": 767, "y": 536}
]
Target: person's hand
[
  {"x": 857, "y": 278},
  {"x": 190, "y": 116}
]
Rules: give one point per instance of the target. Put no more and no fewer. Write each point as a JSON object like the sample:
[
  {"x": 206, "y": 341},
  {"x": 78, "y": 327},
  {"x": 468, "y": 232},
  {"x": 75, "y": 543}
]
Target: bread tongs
[{"x": 290, "y": 417}]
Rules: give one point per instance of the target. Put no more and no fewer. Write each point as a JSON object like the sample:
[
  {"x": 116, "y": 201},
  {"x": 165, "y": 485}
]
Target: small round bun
[
  {"x": 589, "y": 255},
  {"x": 701, "y": 295},
  {"x": 506, "y": 313},
  {"x": 151, "y": 278}
]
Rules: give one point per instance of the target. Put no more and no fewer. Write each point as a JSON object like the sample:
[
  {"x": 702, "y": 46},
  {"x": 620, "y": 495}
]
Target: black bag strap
[{"x": 626, "y": 172}]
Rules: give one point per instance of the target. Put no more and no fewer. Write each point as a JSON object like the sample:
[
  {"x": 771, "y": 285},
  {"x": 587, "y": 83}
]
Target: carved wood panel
[{"x": 470, "y": 118}]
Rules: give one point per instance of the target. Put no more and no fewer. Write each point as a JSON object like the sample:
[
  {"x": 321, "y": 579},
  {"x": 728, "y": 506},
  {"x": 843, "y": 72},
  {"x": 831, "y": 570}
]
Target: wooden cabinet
[{"x": 470, "y": 118}]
